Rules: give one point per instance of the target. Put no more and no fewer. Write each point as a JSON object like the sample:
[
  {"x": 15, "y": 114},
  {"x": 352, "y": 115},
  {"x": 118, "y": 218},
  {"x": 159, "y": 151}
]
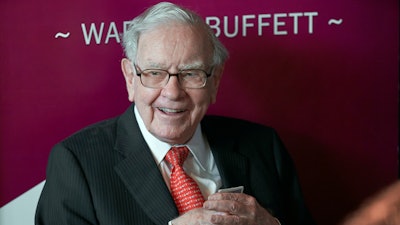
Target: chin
[
  {"x": 174, "y": 141},
  {"x": 173, "y": 138}
]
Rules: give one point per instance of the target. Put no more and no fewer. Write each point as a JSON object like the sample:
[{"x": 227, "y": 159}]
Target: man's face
[{"x": 172, "y": 113}]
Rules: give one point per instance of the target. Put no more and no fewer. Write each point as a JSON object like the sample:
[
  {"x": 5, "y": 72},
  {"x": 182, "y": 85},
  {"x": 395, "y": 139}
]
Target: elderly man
[{"x": 163, "y": 161}]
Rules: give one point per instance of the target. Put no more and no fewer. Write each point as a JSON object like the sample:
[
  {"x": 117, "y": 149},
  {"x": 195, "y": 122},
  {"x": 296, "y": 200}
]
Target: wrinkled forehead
[{"x": 176, "y": 42}]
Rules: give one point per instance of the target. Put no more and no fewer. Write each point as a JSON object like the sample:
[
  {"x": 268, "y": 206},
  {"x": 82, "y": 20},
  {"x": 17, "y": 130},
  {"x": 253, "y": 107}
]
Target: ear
[
  {"x": 216, "y": 78},
  {"x": 127, "y": 70}
]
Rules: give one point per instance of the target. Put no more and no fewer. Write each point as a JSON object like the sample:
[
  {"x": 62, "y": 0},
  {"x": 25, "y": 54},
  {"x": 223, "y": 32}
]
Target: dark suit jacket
[{"x": 106, "y": 174}]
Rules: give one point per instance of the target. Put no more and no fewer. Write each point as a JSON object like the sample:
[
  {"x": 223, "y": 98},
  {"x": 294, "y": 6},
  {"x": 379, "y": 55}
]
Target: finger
[
  {"x": 229, "y": 206},
  {"x": 222, "y": 206},
  {"x": 228, "y": 196},
  {"x": 225, "y": 219},
  {"x": 239, "y": 197},
  {"x": 196, "y": 216}
]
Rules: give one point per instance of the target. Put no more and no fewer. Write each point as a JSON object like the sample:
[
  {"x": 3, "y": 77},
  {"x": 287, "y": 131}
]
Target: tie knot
[{"x": 177, "y": 155}]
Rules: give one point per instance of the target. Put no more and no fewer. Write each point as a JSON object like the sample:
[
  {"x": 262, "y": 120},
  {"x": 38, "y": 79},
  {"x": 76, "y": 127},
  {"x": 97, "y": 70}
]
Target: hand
[
  {"x": 199, "y": 216},
  {"x": 237, "y": 209}
]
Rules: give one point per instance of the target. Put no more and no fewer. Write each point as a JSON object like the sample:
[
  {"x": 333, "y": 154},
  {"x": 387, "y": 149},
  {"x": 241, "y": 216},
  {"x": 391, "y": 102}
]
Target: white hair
[{"x": 163, "y": 13}]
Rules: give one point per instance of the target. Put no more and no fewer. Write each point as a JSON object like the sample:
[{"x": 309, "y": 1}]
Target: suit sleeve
[{"x": 66, "y": 198}]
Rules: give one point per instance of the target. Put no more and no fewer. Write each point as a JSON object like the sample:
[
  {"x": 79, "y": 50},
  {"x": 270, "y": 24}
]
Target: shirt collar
[{"x": 197, "y": 145}]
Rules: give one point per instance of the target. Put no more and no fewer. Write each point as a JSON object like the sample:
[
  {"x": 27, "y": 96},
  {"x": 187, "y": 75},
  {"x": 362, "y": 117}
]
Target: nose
[{"x": 173, "y": 89}]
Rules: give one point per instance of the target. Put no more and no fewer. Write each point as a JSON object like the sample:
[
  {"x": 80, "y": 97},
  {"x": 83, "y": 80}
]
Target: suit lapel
[
  {"x": 140, "y": 173},
  {"x": 232, "y": 165},
  {"x": 142, "y": 178}
]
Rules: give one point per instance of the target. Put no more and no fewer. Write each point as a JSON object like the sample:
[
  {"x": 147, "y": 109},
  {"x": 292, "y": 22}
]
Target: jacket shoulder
[
  {"x": 100, "y": 133},
  {"x": 232, "y": 126}
]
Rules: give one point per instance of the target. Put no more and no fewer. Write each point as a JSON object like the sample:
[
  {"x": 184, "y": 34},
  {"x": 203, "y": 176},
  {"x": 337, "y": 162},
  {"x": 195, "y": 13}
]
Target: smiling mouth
[{"x": 168, "y": 110}]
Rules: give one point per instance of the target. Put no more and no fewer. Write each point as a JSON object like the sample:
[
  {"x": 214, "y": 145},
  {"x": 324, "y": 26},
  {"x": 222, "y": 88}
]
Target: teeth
[{"x": 167, "y": 110}]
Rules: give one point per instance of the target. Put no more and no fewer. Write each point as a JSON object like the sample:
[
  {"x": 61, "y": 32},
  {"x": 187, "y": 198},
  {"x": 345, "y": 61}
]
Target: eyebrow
[{"x": 194, "y": 65}]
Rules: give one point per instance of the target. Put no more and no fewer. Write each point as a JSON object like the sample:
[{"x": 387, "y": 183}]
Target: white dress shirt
[{"x": 199, "y": 165}]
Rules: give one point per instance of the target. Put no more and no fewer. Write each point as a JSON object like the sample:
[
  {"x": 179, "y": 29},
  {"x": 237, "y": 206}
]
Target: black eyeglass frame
[{"x": 135, "y": 67}]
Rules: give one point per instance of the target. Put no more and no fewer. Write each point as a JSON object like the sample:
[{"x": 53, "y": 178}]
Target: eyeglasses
[{"x": 188, "y": 78}]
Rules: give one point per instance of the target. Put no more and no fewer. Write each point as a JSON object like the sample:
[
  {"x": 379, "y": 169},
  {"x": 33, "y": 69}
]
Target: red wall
[{"x": 331, "y": 90}]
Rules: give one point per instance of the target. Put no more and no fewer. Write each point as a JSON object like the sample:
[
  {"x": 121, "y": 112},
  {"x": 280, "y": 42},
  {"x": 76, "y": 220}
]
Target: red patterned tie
[{"x": 185, "y": 191}]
